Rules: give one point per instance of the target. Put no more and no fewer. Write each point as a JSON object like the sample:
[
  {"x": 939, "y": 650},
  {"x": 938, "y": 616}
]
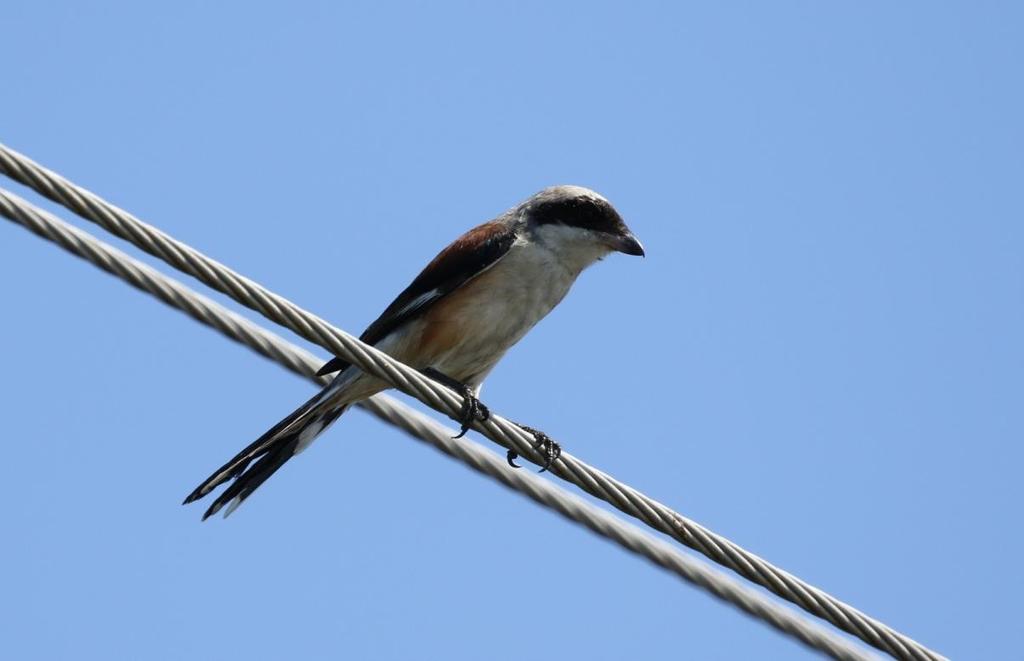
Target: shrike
[{"x": 456, "y": 320}]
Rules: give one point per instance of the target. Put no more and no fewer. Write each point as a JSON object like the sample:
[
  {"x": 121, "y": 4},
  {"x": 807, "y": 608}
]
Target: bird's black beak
[{"x": 625, "y": 243}]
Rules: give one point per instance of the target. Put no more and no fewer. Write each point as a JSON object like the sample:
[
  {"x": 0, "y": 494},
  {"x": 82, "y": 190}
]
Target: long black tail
[{"x": 270, "y": 451}]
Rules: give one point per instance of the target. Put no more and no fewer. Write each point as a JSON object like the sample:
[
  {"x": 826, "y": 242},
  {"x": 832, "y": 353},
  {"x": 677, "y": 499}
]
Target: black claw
[
  {"x": 472, "y": 410},
  {"x": 543, "y": 443},
  {"x": 552, "y": 451}
]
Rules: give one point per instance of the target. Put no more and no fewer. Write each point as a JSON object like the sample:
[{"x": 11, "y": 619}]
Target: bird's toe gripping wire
[
  {"x": 472, "y": 408},
  {"x": 542, "y": 443}
]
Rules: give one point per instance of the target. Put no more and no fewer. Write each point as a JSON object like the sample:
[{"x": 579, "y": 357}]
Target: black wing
[{"x": 468, "y": 256}]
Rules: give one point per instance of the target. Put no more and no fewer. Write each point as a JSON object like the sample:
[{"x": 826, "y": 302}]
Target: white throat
[{"x": 573, "y": 248}]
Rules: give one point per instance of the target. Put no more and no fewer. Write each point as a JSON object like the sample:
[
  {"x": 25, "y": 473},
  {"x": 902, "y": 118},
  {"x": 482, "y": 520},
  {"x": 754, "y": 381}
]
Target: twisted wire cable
[
  {"x": 421, "y": 427},
  {"x": 501, "y": 431}
]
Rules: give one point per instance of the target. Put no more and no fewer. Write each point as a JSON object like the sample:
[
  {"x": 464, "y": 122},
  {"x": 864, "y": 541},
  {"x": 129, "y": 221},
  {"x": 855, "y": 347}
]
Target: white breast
[
  {"x": 492, "y": 312},
  {"x": 466, "y": 333},
  {"x": 521, "y": 290}
]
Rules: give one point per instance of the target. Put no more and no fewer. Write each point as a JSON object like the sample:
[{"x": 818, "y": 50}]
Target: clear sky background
[{"x": 821, "y": 357}]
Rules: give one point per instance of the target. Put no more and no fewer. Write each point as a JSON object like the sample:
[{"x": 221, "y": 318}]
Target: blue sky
[{"x": 820, "y": 358}]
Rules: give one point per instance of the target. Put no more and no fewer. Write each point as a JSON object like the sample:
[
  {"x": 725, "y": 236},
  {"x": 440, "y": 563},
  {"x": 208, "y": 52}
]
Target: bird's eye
[{"x": 581, "y": 212}]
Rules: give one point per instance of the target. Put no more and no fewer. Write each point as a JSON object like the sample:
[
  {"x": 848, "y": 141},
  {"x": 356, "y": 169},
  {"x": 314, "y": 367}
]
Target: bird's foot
[
  {"x": 542, "y": 443},
  {"x": 472, "y": 410}
]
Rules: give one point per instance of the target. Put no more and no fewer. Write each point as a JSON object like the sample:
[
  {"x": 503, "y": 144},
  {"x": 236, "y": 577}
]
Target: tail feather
[
  {"x": 270, "y": 451},
  {"x": 253, "y": 477},
  {"x": 333, "y": 365}
]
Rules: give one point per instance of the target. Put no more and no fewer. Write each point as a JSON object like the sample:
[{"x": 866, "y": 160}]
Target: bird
[{"x": 454, "y": 322}]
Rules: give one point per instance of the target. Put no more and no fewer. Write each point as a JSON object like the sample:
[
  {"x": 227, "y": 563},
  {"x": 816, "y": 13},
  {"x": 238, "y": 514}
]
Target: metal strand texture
[
  {"x": 421, "y": 427},
  {"x": 593, "y": 481}
]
